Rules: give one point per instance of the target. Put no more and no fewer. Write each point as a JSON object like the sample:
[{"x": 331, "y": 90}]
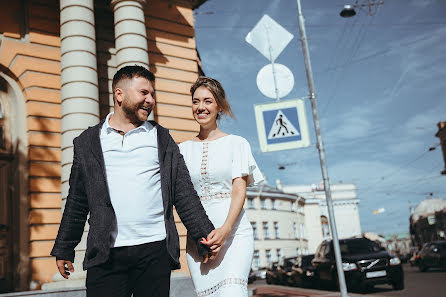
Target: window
[
  {"x": 276, "y": 230},
  {"x": 293, "y": 206},
  {"x": 254, "y": 230},
  {"x": 262, "y": 204},
  {"x": 279, "y": 254},
  {"x": 325, "y": 228},
  {"x": 300, "y": 209},
  {"x": 296, "y": 231},
  {"x": 298, "y": 251},
  {"x": 265, "y": 230},
  {"x": 251, "y": 203},
  {"x": 273, "y": 204},
  {"x": 302, "y": 231},
  {"x": 256, "y": 259},
  {"x": 268, "y": 256}
]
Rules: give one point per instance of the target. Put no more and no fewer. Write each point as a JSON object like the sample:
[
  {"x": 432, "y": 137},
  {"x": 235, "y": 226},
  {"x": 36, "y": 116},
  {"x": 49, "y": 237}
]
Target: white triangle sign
[{"x": 282, "y": 127}]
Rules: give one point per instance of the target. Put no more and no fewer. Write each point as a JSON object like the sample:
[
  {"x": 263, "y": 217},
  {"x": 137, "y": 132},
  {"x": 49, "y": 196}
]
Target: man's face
[{"x": 137, "y": 99}]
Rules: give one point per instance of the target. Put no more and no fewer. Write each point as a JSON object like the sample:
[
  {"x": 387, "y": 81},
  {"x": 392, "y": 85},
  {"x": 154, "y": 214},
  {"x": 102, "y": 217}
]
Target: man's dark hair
[{"x": 129, "y": 72}]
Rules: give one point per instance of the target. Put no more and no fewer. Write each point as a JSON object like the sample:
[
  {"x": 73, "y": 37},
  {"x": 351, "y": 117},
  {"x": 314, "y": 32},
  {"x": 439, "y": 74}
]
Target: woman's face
[{"x": 204, "y": 107}]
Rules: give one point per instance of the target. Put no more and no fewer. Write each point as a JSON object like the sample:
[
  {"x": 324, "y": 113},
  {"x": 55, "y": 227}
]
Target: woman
[{"x": 221, "y": 167}]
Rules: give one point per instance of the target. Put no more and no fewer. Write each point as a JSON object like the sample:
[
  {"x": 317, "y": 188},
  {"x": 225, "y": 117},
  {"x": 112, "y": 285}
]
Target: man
[{"x": 128, "y": 173}]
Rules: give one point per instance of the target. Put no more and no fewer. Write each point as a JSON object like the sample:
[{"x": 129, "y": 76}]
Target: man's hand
[{"x": 65, "y": 267}]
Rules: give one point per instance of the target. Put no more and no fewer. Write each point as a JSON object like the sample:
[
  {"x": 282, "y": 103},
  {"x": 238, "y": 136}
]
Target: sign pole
[{"x": 320, "y": 146}]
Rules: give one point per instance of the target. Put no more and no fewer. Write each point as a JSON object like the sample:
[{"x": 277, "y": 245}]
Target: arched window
[{"x": 325, "y": 228}]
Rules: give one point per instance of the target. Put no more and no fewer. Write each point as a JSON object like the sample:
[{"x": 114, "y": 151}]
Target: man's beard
[{"x": 131, "y": 110}]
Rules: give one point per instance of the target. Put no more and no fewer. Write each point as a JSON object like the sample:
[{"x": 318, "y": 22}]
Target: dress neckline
[{"x": 208, "y": 141}]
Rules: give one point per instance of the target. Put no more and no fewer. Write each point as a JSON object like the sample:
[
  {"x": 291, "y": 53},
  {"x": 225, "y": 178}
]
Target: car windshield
[{"x": 359, "y": 246}]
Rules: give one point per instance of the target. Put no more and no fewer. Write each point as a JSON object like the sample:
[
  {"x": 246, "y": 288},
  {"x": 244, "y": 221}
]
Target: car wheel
[{"x": 399, "y": 285}]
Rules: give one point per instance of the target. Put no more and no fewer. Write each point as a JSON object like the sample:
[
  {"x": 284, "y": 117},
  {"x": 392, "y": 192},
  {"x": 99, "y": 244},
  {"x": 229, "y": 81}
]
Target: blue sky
[{"x": 380, "y": 84}]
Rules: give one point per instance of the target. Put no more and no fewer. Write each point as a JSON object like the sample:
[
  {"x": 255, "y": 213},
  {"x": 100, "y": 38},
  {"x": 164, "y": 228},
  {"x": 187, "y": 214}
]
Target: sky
[{"x": 380, "y": 84}]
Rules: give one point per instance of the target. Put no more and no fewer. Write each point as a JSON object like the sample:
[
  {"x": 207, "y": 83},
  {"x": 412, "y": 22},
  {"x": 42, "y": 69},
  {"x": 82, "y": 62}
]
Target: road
[
  {"x": 417, "y": 284},
  {"x": 426, "y": 284}
]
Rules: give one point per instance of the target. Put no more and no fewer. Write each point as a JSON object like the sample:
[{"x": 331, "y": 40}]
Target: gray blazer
[{"x": 89, "y": 194}]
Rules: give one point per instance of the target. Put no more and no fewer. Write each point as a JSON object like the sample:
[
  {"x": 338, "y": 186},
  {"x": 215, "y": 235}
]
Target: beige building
[
  {"x": 57, "y": 60},
  {"x": 278, "y": 222},
  {"x": 345, "y": 203}
]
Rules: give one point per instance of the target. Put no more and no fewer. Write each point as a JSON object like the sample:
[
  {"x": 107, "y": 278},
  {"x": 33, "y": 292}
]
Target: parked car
[
  {"x": 413, "y": 261},
  {"x": 272, "y": 274},
  {"x": 364, "y": 262},
  {"x": 284, "y": 270},
  {"x": 261, "y": 273},
  {"x": 302, "y": 272},
  {"x": 433, "y": 254},
  {"x": 252, "y": 277}
]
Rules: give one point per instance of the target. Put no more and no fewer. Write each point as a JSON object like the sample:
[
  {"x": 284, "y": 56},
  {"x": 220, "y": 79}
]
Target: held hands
[
  {"x": 214, "y": 241},
  {"x": 64, "y": 270}
]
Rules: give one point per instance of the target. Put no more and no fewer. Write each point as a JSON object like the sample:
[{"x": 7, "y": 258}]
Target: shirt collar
[{"x": 146, "y": 126}]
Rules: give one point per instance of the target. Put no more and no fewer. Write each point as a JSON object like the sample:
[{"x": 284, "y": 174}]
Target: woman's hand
[{"x": 216, "y": 239}]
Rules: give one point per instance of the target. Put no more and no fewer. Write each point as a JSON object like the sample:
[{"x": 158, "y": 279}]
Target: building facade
[
  {"x": 278, "y": 222},
  {"x": 345, "y": 203},
  {"x": 428, "y": 222},
  {"x": 57, "y": 60}
]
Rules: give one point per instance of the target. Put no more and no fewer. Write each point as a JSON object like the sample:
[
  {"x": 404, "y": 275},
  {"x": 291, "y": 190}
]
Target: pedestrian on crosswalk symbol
[{"x": 282, "y": 125}]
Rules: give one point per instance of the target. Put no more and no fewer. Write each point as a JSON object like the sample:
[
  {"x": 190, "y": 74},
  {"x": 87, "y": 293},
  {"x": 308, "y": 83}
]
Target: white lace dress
[{"x": 212, "y": 166}]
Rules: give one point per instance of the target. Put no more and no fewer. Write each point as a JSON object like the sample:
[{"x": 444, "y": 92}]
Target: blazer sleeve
[
  {"x": 75, "y": 213},
  {"x": 187, "y": 203}
]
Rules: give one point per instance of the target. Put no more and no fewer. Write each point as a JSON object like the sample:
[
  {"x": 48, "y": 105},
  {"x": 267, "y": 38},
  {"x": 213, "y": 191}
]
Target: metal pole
[
  {"x": 276, "y": 89},
  {"x": 320, "y": 146}
]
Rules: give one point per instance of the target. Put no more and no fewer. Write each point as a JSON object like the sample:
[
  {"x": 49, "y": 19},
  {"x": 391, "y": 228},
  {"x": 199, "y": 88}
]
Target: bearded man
[{"x": 127, "y": 174}]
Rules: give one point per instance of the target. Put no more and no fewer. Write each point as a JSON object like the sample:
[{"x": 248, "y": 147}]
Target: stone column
[
  {"x": 130, "y": 33},
  {"x": 80, "y": 98}
]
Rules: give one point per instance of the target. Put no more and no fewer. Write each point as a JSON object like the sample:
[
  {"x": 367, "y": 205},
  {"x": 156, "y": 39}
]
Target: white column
[
  {"x": 79, "y": 78},
  {"x": 80, "y": 99},
  {"x": 130, "y": 33}
]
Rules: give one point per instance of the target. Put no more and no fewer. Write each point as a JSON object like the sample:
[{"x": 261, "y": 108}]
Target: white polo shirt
[{"x": 134, "y": 181}]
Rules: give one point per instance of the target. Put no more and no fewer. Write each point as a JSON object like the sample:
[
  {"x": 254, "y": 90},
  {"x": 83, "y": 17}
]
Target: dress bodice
[{"x": 214, "y": 164}]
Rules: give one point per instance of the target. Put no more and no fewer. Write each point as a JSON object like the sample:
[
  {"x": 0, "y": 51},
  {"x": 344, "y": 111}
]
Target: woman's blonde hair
[{"x": 215, "y": 87}]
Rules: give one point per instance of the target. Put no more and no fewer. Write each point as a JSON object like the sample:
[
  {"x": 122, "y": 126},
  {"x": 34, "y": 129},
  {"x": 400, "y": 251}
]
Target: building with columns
[
  {"x": 278, "y": 222},
  {"x": 57, "y": 60},
  {"x": 345, "y": 204}
]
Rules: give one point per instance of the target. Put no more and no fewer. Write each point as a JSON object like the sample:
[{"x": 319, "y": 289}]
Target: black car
[
  {"x": 302, "y": 272},
  {"x": 364, "y": 262},
  {"x": 252, "y": 277},
  {"x": 272, "y": 274},
  {"x": 433, "y": 254},
  {"x": 285, "y": 268}
]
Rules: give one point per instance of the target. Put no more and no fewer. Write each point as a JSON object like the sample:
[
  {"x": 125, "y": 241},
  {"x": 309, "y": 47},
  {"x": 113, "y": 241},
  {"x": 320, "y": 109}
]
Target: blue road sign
[{"x": 282, "y": 125}]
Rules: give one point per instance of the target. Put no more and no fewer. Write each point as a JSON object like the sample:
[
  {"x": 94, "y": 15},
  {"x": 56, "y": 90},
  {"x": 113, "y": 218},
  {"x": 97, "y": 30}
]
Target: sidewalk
[{"x": 282, "y": 291}]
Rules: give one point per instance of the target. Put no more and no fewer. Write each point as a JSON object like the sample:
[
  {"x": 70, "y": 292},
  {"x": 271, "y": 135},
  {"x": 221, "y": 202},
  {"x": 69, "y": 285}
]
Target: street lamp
[{"x": 348, "y": 11}]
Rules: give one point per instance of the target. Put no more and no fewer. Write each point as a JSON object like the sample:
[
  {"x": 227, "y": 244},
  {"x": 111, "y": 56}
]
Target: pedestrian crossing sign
[{"x": 282, "y": 125}]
